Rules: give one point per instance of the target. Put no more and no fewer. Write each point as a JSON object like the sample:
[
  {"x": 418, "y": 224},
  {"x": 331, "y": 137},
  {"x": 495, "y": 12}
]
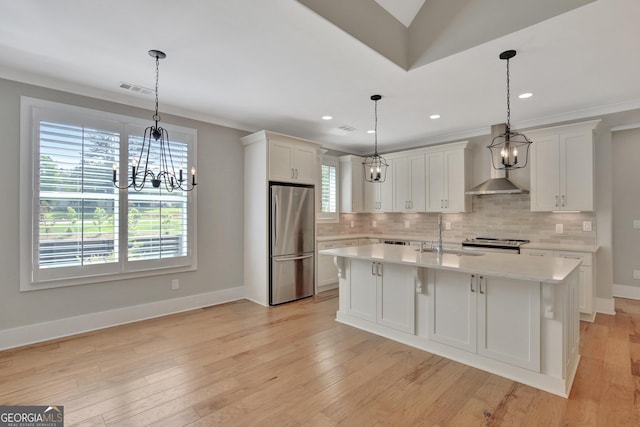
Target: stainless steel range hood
[{"x": 497, "y": 184}]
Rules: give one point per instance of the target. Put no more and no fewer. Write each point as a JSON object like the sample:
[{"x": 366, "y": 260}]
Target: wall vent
[
  {"x": 136, "y": 88},
  {"x": 347, "y": 128}
]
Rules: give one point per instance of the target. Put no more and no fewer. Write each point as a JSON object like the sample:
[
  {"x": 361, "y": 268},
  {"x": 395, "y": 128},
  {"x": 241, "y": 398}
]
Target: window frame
[
  {"x": 31, "y": 278},
  {"x": 329, "y": 217}
]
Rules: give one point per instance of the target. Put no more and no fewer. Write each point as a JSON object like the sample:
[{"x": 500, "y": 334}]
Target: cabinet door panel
[
  {"x": 545, "y": 174},
  {"x": 401, "y": 184},
  {"x": 435, "y": 182},
  {"x": 455, "y": 188},
  {"x": 505, "y": 306},
  {"x": 304, "y": 164},
  {"x": 362, "y": 295},
  {"x": 452, "y": 308},
  {"x": 396, "y": 297},
  {"x": 577, "y": 176},
  {"x": 280, "y": 161},
  {"x": 418, "y": 184}
]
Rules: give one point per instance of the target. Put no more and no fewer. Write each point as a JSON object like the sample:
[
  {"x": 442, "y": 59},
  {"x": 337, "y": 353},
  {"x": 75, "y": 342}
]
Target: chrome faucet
[{"x": 438, "y": 246}]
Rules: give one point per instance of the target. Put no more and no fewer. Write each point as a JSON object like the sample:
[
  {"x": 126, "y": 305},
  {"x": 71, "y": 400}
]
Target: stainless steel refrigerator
[{"x": 291, "y": 239}]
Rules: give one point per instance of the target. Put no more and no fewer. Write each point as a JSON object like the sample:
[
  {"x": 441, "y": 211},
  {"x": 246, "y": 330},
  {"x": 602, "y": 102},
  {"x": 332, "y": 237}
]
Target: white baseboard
[
  {"x": 38, "y": 332},
  {"x": 605, "y": 306},
  {"x": 626, "y": 291}
]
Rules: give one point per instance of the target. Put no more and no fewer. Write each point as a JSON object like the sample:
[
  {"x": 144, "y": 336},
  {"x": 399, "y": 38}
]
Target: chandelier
[
  {"x": 375, "y": 167},
  {"x": 506, "y": 147},
  {"x": 141, "y": 170}
]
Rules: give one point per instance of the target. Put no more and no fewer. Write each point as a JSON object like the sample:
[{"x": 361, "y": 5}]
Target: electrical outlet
[
  {"x": 374, "y": 224},
  {"x": 559, "y": 228},
  {"x": 406, "y": 224},
  {"x": 447, "y": 225},
  {"x": 175, "y": 284},
  {"x": 636, "y": 274},
  {"x": 586, "y": 225},
  {"x": 636, "y": 224},
  {"x": 353, "y": 224}
]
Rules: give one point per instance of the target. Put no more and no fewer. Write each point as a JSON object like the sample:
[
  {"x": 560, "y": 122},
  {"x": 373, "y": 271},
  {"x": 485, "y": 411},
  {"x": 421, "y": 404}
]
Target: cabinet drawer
[{"x": 586, "y": 258}]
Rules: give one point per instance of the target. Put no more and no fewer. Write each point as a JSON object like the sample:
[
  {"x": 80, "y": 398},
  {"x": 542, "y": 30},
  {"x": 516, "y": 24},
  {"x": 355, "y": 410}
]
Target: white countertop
[
  {"x": 538, "y": 269},
  {"x": 572, "y": 247}
]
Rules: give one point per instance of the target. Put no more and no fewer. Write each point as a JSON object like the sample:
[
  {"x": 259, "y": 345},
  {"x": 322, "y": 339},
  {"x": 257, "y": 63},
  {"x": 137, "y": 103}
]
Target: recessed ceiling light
[
  {"x": 434, "y": 116},
  {"x": 525, "y": 95},
  {"x": 327, "y": 117},
  {"x": 371, "y": 131}
]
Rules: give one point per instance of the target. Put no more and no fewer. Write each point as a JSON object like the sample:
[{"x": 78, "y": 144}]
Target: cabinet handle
[
  {"x": 372, "y": 265},
  {"x": 571, "y": 257},
  {"x": 563, "y": 201},
  {"x": 473, "y": 276},
  {"x": 556, "y": 200},
  {"x": 531, "y": 254},
  {"x": 379, "y": 269},
  {"x": 446, "y": 203},
  {"x": 441, "y": 203},
  {"x": 480, "y": 284}
]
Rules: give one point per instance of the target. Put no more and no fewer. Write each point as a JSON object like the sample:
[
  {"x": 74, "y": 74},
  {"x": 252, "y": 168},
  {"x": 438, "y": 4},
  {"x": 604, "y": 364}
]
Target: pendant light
[
  {"x": 509, "y": 150},
  {"x": 141, "y": 170},
  {"x": 375, "y": 167}
]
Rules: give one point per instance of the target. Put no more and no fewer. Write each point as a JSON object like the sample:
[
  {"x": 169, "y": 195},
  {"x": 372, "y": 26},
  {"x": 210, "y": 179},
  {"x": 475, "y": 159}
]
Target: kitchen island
[{"x": 509, "y": 315}]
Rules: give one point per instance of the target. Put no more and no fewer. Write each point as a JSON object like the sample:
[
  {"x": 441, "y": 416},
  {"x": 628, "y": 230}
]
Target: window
[
  {"x": 76, "y": 226},
  {"x": 329, "y": 190}
]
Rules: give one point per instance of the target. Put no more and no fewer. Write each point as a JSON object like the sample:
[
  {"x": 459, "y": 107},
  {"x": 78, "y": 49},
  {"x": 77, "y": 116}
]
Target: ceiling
[{"x": 278, "y": 65}]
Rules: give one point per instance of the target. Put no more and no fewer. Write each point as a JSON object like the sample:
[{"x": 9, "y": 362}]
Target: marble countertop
[{"x": 538, "y": 269}]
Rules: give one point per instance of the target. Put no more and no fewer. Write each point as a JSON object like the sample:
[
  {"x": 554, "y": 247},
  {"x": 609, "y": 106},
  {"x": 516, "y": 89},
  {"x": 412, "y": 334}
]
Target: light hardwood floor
[{"x": 241, "y": 364}]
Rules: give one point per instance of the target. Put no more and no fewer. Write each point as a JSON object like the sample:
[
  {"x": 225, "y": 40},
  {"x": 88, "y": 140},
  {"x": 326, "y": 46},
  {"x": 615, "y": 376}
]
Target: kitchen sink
[{"x": 452, "y": 252}]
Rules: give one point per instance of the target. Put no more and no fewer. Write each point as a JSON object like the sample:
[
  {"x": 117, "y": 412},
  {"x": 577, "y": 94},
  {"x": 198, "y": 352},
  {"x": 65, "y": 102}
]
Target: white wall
[
  {"x": 626, "y": 202},
  {"x": 220, "y": 224}
]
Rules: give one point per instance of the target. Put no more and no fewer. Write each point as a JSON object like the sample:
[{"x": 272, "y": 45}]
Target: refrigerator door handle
[
  {"x": 274, "y": 219},
  {"x": 293, "y": 258}
]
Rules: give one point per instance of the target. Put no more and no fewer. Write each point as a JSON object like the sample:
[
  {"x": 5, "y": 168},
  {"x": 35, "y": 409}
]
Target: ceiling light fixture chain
[
  {"x": 375, "y": 167},
  {"x": 166, "y": 173},
  {"x": 504, "y": 147}
]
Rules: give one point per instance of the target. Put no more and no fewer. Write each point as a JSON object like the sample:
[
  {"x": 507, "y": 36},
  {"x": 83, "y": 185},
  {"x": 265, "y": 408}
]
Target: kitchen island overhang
[{"x": 507, "y": 314}]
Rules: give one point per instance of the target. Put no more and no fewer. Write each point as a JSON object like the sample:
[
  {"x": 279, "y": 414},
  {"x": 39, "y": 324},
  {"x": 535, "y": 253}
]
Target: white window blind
[
  {"x": 82, "y": 228},
  {"x": 328, "y": 190}
]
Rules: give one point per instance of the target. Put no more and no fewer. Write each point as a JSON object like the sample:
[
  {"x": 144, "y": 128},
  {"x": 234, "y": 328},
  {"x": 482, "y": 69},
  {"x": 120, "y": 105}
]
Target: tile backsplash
[{"x": 500, "y": 215}]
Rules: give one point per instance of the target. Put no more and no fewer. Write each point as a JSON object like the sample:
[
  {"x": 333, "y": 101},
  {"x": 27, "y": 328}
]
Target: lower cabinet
[
  {"x": 486, "y": 315},
  {"x": 382, "y": 293},
  {"x": 586, "y": 289},
  {"x": 327, "y": 271}
]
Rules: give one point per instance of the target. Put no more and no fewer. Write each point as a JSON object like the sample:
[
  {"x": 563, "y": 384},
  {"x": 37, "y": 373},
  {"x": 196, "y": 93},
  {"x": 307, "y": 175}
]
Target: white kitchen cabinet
[
  {"x": 378, "y": 196},
  {"x": 291, "y": 160},
  {"x": 562, "y": 168},
  {"x": 478, "y": 314},
  {"x": 351, "y": 184},
  {"x": 327, "y": 271},
  {"x": 586, "y": 289},
  {"x": 409, "y": 183},
  {"x": 383, "y": 293},
  {"x": 447, "y": 178}
]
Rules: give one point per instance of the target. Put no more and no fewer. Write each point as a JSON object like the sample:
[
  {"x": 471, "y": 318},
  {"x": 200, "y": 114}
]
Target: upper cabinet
[
  {"x": 447, "y": 178},
  {"x": 378, "y": 196},
  {"x": 562, "y": 168},
  {"x": 351, "y": 184},
  {"x": 291, "y": 159},
  {"x": 409, "y": 183}
]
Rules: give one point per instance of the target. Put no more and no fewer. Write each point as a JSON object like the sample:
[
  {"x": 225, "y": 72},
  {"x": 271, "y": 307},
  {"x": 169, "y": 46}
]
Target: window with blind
[
  {"x": 328, "y": 190},
  {"x": 82, "y": 229}
]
